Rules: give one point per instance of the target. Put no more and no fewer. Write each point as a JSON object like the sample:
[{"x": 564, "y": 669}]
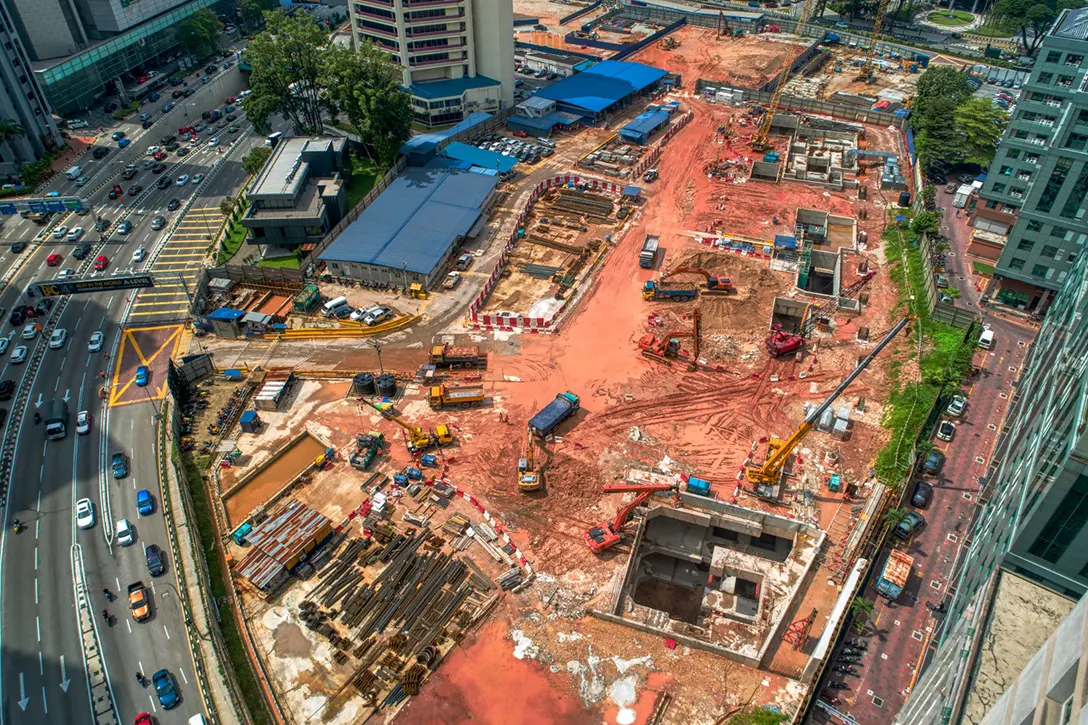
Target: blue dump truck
[
  {"x": 894, "y": 575},
  {"x": 669, "y": 291},
  {"x": 564, "y": 406}
]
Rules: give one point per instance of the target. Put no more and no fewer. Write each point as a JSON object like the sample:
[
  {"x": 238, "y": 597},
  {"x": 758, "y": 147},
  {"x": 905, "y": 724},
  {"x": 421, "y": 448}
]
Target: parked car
[
  {"x": 956, "y": 406},
  {"x": 912, "y": 523},
  {"x": 923, "y": 494},
  {"x": 143, "y": 374},
  {"x": 377, "y": 315},
  {"x": 946, "y": 430},
  {"x": 934, "y": 462}
]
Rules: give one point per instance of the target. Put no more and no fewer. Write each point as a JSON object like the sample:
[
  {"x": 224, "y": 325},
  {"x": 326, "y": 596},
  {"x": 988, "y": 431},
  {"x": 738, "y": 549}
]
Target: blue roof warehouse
[
  {"x": 412, "y": 230},
  {"x": 605, "y": 87}
]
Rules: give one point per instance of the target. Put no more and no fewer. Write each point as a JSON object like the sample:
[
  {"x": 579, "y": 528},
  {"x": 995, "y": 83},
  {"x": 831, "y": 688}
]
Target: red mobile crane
[
  {"x": 783, "y": 342},
  {"x": 714, "y": 284},
  {"x": 609, "y": 533}
]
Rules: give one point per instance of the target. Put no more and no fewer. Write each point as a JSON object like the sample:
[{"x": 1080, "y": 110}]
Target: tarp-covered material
[
  {"x": 428, "y": 141},
  {"x": 783, "y": 241},
  {"x": 632, "y": 191},
  {"x": 605, "y": 84},
  {"x": 479, "y": 157},
  {"x": 413, "y": 224},
  {"x": 226, "y": 314},
  {"x": 644, "y": 124}
]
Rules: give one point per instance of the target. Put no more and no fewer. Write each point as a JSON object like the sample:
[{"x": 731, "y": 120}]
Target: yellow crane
[
  {"x": 768, "y": 473},
  {"x": 759, "y": 141},
  {"x": 529, "y": 479},
  {"x": 867, "y": 67}
]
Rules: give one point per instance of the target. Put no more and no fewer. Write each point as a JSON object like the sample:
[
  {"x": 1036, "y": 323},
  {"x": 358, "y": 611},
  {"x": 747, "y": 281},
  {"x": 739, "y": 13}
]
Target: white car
[
  {"x": 125, "y": 535},
  {"x": 183, "y": 180},
  {"x": 18, "y": 355},
  {"x": 138, "y": 255},
  {"x": 198, "y": 178},
  {"x": 214, "y": 142},
  {"x": 83, "y": 422},
  {"x": 29, "y": 331},
  {"x": 59, "y": 232},
  {"x": 66, "y": 273},
  {"x": 58, "y": 338},
  {"x": 75, "y": 234},
  {"x": 84, "y": 513},
  {"x": 956, "y": 406},
  {"x": 4, "y": 342},
  {"x": 152, "y": 150},
  {"x": 359, "y": 314},
  {"x": 81, "y": 181},
  {"x": 95, "y": 345},
  {"x": 377, "y": 315}
]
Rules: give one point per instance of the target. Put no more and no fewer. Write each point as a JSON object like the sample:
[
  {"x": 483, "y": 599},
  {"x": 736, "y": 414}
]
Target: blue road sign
[{"x": 42, "y": 205}]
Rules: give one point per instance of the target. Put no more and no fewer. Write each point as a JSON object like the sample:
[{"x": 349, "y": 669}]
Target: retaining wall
[{"x": 579, "y": 13}]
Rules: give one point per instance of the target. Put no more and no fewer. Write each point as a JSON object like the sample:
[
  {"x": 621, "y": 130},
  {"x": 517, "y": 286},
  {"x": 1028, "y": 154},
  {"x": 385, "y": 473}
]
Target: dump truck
[
  {"x": 458, "y": 357},
  {"x": 682, "y": 291},
  {"x": 648, "y": 255},
  {"x": 464, "y": 396},
  {"x": 56, "y": 420},
  {"x": 895, "y": 574},
  {"x": 564, "y": 406}
]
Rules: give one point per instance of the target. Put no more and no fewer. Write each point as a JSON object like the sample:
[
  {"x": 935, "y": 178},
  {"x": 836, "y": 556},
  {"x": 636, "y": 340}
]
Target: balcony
[
  {"x": 437, "y": 48},
  {"x": 361, "y": 11},
  {"x": 456, "y": 30},
  {"x": 449, "y": 17},
  {"x": 377, "y": 33},
  {"x": 378, "y": 3},
  {"x": 415, "y": 4},
  {"x": 456, "y": 58}
]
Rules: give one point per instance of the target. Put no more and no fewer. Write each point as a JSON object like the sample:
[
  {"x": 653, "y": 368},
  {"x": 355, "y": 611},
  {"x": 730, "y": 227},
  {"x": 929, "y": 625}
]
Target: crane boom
[
  {"x": 867, "y": 66},
  {"x": 636, "y": 487},
  {"x": 759, "y": 141},
  {"x": 778, "y": 450}
]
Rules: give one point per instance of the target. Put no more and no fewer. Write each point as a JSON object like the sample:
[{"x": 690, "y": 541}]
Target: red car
[
  {"x": 159, "y": 155},
  {"x": 53, "y": 259},
  {"x": 184, "y": 130},
  {"x": 101, "y": 262},
  {"x": 144, "y": 718},
  {"x": 231, "y": 99}
]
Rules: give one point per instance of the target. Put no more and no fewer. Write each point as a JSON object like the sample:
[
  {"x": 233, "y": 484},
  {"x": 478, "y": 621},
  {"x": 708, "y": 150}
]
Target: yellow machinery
[
  {"x": 416, "y": 291},
  {"x": 529, "y": 479},
  {"x": 418, "y": 439},
  {"x": 867, "y": 74},
  {"x": 759, "y": 141},
  {"x": 766, "y": 475}
]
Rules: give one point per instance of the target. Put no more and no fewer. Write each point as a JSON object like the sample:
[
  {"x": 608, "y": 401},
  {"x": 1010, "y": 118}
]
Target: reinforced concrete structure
[
  {"x": 1036, "y": 192},
  {"x": 456, "y": 57}
]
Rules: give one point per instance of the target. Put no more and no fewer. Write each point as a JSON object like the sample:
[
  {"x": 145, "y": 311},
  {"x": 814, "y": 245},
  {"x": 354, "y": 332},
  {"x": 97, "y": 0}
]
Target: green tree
[
  {"x": 365, "y": 87},
  {"x": 199, "y": 33},
  {"x": 252, "y": 10},
  {"x": 981, "y": 123},
  {"x": 1032, "y": 18},
  {"x": 254, "y": 160},
  {"x": 894, "y": 517},
  {"x": 926, "y": 222},
  {"x": 227, "y": 205},
  {"x": 941, "y": 89},
  {"x": 862, "y": 609},
  {"x": 288, "y": 58},
  {"x": 10, "y": 130},
  {"x": 757, "y": 716}
]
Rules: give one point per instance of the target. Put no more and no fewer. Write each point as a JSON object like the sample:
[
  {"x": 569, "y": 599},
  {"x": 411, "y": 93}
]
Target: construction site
[{"x": 650, "y": 511}]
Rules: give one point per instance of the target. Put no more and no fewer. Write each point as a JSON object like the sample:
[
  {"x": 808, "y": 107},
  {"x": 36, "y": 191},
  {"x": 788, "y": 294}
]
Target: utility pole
[{"x": 378, "y": 349}]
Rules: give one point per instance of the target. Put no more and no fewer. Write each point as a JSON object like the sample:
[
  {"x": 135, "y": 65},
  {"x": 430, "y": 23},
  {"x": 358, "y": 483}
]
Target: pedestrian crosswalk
[{"x": 177, "y": 267}]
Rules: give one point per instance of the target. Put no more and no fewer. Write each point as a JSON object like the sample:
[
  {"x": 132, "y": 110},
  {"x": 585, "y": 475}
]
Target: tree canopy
[
  {"x": 950, "y": 125},
  {"x": 1032, "y": 18},
  {"x": 199, "y": 33},
  {"x": 981, "y": 123},
  {"x": 254, "y": 160}
]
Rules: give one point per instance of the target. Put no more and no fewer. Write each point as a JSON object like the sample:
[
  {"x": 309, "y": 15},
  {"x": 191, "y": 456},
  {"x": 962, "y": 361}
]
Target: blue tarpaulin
[
  {"x": 783, "y": 241},
  {"x": 632, "y": 191}
]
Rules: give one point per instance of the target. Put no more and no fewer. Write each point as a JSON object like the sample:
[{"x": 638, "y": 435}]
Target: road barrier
[{"x": 347, "y": 330}]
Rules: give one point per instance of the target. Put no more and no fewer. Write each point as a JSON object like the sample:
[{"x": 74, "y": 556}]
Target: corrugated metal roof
[
  {"x": 1074, "y": 24},
  {"x": 480, "y": 157},
  {"x": 259, "y": 569},
  {"x": 537, "y": 103},
  {"x": 441, "y": 162},
  {"x": 645, "y": 123},
  {"x": 450, "y": 88},
  {"x": 427, "y": 141},
  {"x": 542, "y": 124},
  {"x": 414, "y": 222},
  {"x": 606, "y": 83},
  {"x": 226, "y": 314},
  {"x": 289, "y": 531}
]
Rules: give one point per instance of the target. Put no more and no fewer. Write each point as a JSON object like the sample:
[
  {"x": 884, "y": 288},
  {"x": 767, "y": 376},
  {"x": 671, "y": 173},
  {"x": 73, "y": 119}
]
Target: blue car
[
  {"x": 143, "y": 374},
  {"x": 165, "y": 689},
  {"x": 144, "y": 504},
  {"x": 120, "y": 465},
  {"x": 123, "y": 143}
]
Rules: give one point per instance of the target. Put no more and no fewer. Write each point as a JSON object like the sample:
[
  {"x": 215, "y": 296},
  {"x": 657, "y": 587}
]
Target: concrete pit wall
[
  {"x": 824, "y": 274},
  {"x": 788, "y": 313},
  {"x": 767, "y": 171}
]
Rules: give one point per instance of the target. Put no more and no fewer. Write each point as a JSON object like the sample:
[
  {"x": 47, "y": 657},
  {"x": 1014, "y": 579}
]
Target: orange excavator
[
  {"x": 669, "y": 346},
  {"x": 609, "y": 533},
  {"x": 714, "y": 285}
]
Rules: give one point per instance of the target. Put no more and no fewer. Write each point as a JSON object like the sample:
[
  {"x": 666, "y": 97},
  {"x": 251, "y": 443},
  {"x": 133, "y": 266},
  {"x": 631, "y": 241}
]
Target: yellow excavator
[
  {"x": 418, "y": 439},
  {"x": 529, "y": 478},
  {"x": 764, "y": 477}
]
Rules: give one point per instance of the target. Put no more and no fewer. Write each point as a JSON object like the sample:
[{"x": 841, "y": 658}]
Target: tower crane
[
  {"x": 608, "y": 534},
  {"x": 782, "y": 342},
  {"x": 759, "y": 141},
  {"x": 866, "y": 74},
  {"x": 769, "y": 472},
  {"x": 529, "y": 478}
]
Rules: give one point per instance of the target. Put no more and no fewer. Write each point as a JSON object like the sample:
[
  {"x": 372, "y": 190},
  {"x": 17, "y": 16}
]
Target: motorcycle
[
  {"x": 858, "y": 643},
  {"x": 18, "y": 526},
  {"x": 850, "y": 660},
  {"x": 846, "y": 670},
  {"x": 838, "y": 685}
]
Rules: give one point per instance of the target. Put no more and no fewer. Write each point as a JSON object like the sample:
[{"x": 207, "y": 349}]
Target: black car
[
  {"x": 135, "y": 189},
  {"x": 3, "y": 416},
  {"x": 188, "y": 92},
  {"x": 147, "y": 124},
  {"x": 153, "y": 97},
  {"x": 155, "y": 563},
  {"x": 183, "y": 150},
  {"x": 99, "y": 226},
  {"x": 164, "y": 182},
  {"x": 18, "y": 247},
  {"x": 174, "y": 203},
  {"x": 167, "y": 138},
  {"x": 100, "y": 152},
  {"x": 923, "y": 494},
  {"x": 111, "y": 107},
  {"x": 7, "y": 389},
  {"x": 17, "y": 318},
  {"x": 176, "y": 94},
  {"x": 113, "y": 194},
  {"x": 231, "y": 116},
  {"x": 171, "y": 146},
  {"x": 158, "y": 168},
  {"x": 81, "y": 251},
  {"x": 211, "y": 69}
]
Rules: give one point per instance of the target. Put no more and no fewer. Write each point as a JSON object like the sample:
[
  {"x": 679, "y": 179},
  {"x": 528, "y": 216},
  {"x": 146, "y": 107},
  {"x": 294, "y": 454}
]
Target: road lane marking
[
  {"x": 38, "y": 624},
  {"x": 182, "y": 671},
  {"x": 35, "y": 558},
  {"x": 164, "y": 629},
  {"x": 45, "y": 700},
  {"x": 129, "y": 625},
  {"x": 118, "y": 583},
  {"x": 153, "y": 708},
  {"x": 36, "y": 590},
  {"x": 41, "y": 664}
]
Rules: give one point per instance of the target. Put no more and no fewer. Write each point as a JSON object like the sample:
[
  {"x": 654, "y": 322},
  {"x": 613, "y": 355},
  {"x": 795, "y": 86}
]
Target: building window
[
  {"x": 1031, "y": 158},
  {"x": 1050, "y": 252},
  {"x": 1059, "y": 232},
  {"x": 1046, "y": 78},
  {"x": 1074, "y": 203},
  {"x": 1074, "y": 60},
  {"x": 1016, "y": 264},
  {"x": 1025, "y": 245},
  {"x": 999, "y": 188},
  {"x": 1012, "y": 154},
  {"x": 1053, "y": 185},
  {"x": 1006, "y": 171},
  {"x": 991, "y": 204},
  {"x": 1065, "y": 81},
  {"x": 1064, "y": 524},
  {"x": 1020, "y": 134},
  {"x": 1053, "y": 56},
  {"x": 1077, "y": 141}
]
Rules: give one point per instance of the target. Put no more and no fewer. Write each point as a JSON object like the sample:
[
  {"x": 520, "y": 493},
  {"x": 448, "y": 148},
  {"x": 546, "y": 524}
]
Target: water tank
[
  {"x": 904, "y": 198},
  {"x": 387, "y": 385},
  {"x": 363, "y": 383}
]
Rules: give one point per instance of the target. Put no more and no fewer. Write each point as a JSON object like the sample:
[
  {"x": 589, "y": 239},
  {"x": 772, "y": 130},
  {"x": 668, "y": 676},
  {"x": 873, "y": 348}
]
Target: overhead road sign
[
  {"x": 43, "y": 205},
  {"x": 91, "y": 284}
]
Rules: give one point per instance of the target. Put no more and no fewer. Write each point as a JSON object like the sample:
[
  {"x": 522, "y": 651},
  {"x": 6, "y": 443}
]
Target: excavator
[
  {"x": 669, "y": 346},
  {"x": 529, "y": 478},
  {"x": 766, "y": 475},
  {"x": 418, "y": 439},
  {"x": 714, "y": 285},
  {"x": 783, "y": 342},
  {"x": 609, "y": 533}
]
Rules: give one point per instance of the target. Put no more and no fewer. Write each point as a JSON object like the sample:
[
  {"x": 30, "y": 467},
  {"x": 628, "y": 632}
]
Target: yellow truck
[
  {"x": 464, "y": 396},
  {"x": 457, "y": 357}
]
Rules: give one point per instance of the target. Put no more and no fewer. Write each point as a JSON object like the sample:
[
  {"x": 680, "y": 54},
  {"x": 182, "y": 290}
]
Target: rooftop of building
[
  {"x": 432, "y": 90},
  {"x": 287, "y": 170},
  {"x": 415, "y": 221},
  {"x": 555, "y": 57},
  {"x": 307, "y": 205},
  {"x": 279, "y": 541},
  {"x": 603, "y": 85},
  {"x": 426, "y": 142},
  {"x": 1072, "y": 24}
]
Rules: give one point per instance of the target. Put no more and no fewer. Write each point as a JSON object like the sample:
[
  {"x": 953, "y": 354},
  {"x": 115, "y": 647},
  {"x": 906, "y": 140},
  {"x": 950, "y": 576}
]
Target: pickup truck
[
  {"x": 138, "y": 602},
  {"x": 564, "y": 406}
]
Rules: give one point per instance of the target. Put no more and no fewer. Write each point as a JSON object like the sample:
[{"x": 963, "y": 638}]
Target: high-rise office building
[
  {"x": 456, "y": 57},
  {"x": 23, "y": 102},
  {"x": 1036, "y": 192},
  {"x": 1033, "y": 520}
]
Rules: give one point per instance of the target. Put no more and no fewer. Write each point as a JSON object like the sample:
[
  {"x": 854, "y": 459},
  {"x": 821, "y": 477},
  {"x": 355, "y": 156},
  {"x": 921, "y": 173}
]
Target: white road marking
[
  {"x": 164, "y": 629},
  {"x": 129, "y": 625},
  {"x": 35, "y": 558},
  {"x": 41, "y": 663},
  {"x": 35, "y": 590},
  {"x": 182, "y": 671},
  {"x": 38, "y": 623},
  {"x": 118, "y": 582}
]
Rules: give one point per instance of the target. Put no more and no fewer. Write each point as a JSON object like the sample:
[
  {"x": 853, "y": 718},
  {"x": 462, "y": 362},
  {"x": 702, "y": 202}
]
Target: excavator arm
[{"x": 608, "y": 534}]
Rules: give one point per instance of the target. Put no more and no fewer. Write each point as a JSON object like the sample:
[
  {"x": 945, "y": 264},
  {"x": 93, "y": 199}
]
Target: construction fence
[
  {"x": 806, "y": 105},
  {"x": 579, "y": 13}
]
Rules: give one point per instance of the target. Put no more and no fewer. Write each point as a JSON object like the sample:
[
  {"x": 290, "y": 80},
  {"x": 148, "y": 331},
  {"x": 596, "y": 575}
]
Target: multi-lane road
[{"x": 43, "y": 676}]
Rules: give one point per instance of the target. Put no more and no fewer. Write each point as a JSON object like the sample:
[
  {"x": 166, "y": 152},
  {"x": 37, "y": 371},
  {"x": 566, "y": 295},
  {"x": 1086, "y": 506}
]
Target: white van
[
  {"x": 74, "y": 173},
  {"x": 197, "y": 720},
  {"x": 986, "y": 339},
  {"x": 333, "y": 305}
]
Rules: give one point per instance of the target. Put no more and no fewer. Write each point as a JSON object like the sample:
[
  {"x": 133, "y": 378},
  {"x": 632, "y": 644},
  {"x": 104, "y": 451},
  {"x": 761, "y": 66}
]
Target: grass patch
[
  {"x": 234, "y": 238},
  {"x": 232, "y": 637},
  {"x": 950, "y": 18},
  {"x": 364, "y": 174},
  {"x": 998, "y": 28},
  {"x": 291, "y": 262},
  {"x": 943, "y": 358},
  {"x": 982, "y": 269}
]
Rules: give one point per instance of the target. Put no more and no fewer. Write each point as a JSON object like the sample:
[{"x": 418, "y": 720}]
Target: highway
[{"x": 43, "y": 677}]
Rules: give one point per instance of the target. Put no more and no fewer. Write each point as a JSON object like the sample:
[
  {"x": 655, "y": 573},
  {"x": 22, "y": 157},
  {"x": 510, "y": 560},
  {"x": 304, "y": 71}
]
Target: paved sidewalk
[{"x": 188, "y": 542}]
